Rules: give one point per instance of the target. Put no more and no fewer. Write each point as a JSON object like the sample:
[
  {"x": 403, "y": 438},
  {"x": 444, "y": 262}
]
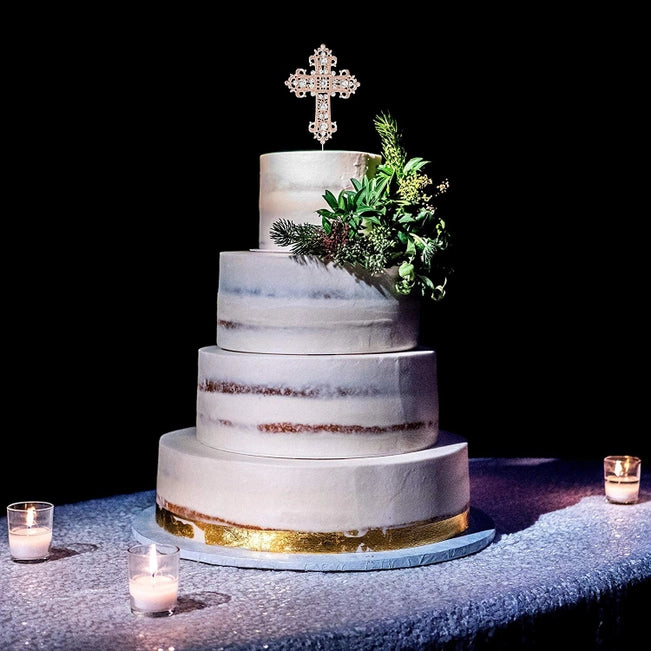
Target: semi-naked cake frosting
[
  {"x": 292, "y": 184},
  {"x": 319, "y": 406},
  {"x": 317, "y": 425},
  {"x": 282, "y": 303}
]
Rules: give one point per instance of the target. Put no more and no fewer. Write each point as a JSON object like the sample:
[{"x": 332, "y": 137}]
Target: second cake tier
[{"x": 283, "y": 303}]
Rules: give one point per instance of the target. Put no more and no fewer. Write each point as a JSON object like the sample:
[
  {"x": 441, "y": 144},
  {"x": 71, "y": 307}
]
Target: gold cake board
[{"x": 480, "y": 533}]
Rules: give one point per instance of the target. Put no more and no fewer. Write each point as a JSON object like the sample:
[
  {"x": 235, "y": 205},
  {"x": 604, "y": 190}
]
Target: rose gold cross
[{"x": 323, "y": 83}]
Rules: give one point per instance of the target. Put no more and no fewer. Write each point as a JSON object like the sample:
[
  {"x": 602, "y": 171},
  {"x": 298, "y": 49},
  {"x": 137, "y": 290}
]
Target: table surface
[{"x": 559, "y": 547}]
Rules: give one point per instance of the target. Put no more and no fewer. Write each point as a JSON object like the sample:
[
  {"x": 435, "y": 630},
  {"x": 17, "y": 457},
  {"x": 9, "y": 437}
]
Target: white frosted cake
[{"x": 317, "y": 426}]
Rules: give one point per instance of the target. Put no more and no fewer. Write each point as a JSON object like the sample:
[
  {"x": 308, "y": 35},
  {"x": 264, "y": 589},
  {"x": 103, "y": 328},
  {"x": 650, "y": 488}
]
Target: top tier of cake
[{"x": 292, "y": 184}]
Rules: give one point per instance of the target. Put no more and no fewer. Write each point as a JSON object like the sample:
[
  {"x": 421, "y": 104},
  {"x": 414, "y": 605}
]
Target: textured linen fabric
[{"x": 565, "y": 568}]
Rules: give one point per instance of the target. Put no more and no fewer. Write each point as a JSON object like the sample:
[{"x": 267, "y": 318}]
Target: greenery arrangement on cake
[{"x": 385, "y": 221}]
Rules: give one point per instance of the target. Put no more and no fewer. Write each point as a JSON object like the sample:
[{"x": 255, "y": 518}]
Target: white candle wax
[
  {"x": 30, "y": 543},
  {"x": 622, "y": 489},
  {"x": 153, "y": 594}
]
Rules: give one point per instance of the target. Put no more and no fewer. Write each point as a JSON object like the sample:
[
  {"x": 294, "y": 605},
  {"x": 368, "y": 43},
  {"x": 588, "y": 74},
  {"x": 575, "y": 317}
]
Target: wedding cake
[{"x": 317, "y": 424}]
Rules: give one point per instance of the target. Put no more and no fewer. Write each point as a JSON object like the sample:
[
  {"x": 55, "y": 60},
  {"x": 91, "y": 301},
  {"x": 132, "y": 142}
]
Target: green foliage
[{"x": 384, "y": 221}]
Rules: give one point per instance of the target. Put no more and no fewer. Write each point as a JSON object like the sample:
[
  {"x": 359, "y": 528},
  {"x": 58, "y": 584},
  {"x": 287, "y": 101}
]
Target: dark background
[{"x": 132, "y": 156}]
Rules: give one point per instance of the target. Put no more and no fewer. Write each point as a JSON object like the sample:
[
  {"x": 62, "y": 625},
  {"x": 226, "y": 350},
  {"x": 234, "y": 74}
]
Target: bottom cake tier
[{"x": 273, "y": 504}]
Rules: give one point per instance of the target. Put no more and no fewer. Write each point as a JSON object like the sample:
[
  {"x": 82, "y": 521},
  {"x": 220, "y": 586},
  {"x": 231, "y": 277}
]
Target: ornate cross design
[{"x": 323, "y": 83}]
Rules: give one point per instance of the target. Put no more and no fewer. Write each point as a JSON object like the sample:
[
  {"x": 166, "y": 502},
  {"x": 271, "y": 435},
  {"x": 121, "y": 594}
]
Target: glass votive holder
[
  {"x": 622, "y": 479},
  {"x": 29, "y": 526},
  {"x": 153, "y": 579}
]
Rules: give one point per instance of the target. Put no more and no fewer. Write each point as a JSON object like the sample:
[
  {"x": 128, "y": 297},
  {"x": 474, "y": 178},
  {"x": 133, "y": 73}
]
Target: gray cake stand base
[{"x": 479, "y": 534}]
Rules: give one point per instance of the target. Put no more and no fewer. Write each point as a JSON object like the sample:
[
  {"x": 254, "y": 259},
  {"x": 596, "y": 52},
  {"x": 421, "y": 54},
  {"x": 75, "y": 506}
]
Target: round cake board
[{"x": 479, "y": 534}]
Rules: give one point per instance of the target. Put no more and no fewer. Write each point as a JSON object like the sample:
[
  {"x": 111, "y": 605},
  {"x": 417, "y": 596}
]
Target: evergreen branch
[{"x": 303, "y": 239}]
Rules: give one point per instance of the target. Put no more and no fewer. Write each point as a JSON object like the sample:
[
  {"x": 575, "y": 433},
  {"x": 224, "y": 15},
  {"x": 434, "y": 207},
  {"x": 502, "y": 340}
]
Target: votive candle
[
  {"x": 622, "y": 479},
  {"x": 30, "y": 530},
  {"x": 153, "y": 579}
]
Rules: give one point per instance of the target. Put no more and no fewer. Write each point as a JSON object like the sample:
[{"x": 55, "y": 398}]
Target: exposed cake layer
[
  {"x": 281, "y": 303},
  {"x": 292, "y": 184},
  {"x": 294, "y": 505},
  {"x": 317, "y": 406}
]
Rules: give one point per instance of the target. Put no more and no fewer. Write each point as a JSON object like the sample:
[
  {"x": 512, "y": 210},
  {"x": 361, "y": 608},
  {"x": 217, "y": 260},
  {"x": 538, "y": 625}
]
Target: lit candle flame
[
  {"x": 622, "y": 470},
  {"x": 153, "y": 561},
  {"x": 31, "y": 516}
]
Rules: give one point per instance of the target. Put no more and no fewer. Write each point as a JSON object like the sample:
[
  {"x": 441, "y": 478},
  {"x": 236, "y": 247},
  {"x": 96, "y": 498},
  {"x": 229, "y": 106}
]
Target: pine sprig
[
  {"x": 385, "y": 221},
  {"x": 304, "y": 239}
]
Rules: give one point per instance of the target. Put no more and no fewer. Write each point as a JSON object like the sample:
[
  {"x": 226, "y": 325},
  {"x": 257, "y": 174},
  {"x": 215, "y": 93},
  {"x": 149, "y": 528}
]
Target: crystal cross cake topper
[{"x": 322, "y": 83}]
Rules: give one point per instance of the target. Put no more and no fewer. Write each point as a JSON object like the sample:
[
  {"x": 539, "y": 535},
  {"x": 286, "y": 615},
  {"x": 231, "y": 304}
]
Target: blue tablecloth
[{"x": 565, "y": 567}]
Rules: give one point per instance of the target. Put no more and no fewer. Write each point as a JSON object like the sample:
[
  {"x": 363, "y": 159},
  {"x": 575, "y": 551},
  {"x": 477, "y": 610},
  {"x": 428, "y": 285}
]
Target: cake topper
[{"x": 322, "y": 83}]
